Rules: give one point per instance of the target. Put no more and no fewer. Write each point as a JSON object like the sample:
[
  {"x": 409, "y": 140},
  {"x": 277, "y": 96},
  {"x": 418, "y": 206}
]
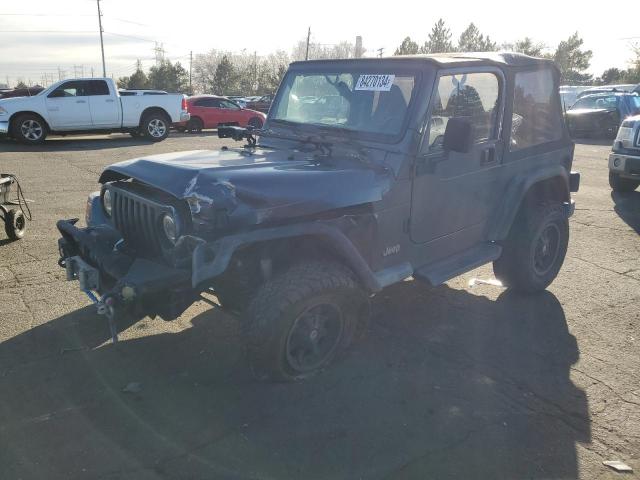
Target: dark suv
[{"x": 427, "y": 166}]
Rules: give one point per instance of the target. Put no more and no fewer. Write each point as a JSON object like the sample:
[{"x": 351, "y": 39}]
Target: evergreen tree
[{"x": 439, "y": 40}]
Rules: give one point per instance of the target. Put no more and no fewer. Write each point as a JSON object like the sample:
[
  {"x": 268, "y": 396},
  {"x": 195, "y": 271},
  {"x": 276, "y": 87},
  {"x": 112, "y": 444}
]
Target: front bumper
[
  {"x": 92, "y": 256},
  {"x": 625, "y": 165},
  {"x": 4, "y": 126}
]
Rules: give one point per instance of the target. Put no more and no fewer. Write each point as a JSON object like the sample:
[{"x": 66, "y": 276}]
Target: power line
[{"x": 46, "y": 31}]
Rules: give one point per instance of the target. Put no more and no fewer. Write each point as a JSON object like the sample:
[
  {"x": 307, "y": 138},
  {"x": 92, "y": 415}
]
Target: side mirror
[{"x": 458, "y": 136}]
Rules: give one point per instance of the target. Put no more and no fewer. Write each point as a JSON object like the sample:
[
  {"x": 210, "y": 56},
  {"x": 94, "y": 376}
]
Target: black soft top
[{"x": 448, "y": 60}]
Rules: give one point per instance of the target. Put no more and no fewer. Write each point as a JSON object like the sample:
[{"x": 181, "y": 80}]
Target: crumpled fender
[{"x": 223, "y": 249}]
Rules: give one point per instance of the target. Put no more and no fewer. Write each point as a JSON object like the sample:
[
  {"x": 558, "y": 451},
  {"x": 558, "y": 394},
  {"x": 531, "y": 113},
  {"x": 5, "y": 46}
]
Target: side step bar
[{"x": 443, "y": 270}]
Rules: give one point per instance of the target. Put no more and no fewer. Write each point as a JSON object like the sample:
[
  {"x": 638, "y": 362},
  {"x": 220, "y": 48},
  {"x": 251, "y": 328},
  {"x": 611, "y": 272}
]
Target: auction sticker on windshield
[{"x": 375, "y": 83}]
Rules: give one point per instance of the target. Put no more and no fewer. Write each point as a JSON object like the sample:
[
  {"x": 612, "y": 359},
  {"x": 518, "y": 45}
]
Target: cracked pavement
[{"x": 449, "y": 382}]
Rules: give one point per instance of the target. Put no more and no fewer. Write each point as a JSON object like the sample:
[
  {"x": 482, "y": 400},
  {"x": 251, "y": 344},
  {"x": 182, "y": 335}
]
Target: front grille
[{"x": 138, "y": 220}]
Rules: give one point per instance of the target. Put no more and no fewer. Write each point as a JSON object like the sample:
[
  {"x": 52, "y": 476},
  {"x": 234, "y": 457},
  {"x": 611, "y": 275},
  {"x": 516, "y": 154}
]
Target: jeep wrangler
[
  {"x": 366, "y": 172},
  {"x": 624, "y": 159}
]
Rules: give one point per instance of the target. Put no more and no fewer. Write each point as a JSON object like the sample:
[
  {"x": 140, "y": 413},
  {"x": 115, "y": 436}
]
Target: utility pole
[
  {"x": 306, "y": 55},
  {"x": 190, "y": 63},
  {"x": 104, "y": 68},
  {"x": 255, "y": 71},
  {"x": 91, "y": 72},
  {"x": 380, "y": 51}
]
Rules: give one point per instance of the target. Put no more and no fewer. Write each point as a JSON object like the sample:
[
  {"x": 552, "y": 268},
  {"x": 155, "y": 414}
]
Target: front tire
[
  {"x": 29, "y": 129},
  {"x": 15, "y": 224},
  {"x": 255, "y": 123},
  {"x": 301, "y": 319},
  {"x": 534, "y": 251},
  {"x": 155, "y": 126},
  {"x": 619, "y": 184}
]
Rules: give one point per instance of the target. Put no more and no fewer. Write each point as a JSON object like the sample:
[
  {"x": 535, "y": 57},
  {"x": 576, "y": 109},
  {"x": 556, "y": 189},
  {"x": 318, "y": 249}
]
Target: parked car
[
  {"x": 241, "y": 101},
  {"x": 262, "y": 104},
  {"x": 21, "y": 92},
  {"x": 601, "y": 114},
  {"x": 625, "y": 88},
  {"x": 297, "y": 229},
  {"x": 89, "y": 105},
  {"x": 624, "y": 160},
  {"x": 210, "y": 111}
]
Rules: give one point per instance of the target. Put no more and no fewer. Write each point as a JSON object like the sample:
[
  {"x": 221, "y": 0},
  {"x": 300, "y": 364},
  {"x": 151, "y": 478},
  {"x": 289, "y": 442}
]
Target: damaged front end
[{"x": 163, "y": 230}]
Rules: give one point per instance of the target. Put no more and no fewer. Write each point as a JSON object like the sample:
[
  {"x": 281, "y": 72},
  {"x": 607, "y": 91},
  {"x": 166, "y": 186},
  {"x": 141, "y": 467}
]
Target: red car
[{"x": 210, "y": 111}]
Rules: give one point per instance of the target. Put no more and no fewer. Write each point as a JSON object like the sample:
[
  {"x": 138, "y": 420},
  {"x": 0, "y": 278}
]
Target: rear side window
[
  {"x": 98, "y": 87},
  {"x": 207, "y": 102},
  {"x": 536, "y": 113}
]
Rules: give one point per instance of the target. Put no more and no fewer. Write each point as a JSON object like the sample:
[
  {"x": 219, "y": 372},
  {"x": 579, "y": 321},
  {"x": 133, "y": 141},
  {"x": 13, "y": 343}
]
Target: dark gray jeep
[{"x": 366, "y": 172}]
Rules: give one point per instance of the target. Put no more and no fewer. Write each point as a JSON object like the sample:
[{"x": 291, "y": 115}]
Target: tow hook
[{"x": 106, "y": 306}]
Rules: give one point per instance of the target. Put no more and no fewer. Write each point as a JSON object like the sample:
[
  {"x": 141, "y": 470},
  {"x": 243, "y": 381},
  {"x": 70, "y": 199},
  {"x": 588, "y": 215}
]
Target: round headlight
[
  {"x": 170, "y": 228},
  {"x": 616, "y": 162},
  {"x": 106, "y": 202}
]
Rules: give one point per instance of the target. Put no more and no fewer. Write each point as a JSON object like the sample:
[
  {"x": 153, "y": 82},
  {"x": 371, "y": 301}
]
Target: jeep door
[
  {"x": 68, "y": 106},
  {"x": 454, "y": 193}
]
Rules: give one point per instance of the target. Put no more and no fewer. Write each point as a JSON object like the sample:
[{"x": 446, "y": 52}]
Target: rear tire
[
  {"x": 619, "y": 184},
  {"x": 15, "y": 224},
  {"x": 29, "y": 129},
  {"x": 534, "y": 251},
  {"x": 155, "y": 126},
  {"x": 301, "y": 319},
  {"x": 195, "y": 125}
]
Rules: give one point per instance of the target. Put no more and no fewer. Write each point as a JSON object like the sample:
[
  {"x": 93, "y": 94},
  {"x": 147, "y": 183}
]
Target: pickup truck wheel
[
  {"x": 15, "y": 224},
  {"x": 619, "y": 184},
  {"x": 534, "y": 250},
  {"x": 301, "y": 319},
  {"x": 155, "y": 127},
  {"x": 29, "y": 129}
]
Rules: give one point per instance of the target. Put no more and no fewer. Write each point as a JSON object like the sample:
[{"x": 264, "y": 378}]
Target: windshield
[
  {"x": 368, "y": 103},
  {"x": 596, "y": 103}
]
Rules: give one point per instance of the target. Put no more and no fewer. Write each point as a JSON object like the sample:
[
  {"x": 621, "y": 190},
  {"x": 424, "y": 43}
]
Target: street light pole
[
  {"x": 104, "y": 68},
  {"x": 306, "y": 55}
]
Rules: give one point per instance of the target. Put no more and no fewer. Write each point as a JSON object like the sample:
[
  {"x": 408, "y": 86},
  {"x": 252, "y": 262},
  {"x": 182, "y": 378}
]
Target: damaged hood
[{"x": 254, "y": 187}]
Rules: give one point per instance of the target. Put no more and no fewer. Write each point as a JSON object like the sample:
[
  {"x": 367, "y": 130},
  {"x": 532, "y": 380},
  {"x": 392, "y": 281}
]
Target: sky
[{"x": 43, "y": 39}]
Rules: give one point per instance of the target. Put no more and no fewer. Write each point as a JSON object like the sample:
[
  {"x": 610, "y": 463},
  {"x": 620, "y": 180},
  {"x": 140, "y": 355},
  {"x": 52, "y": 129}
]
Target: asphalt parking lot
[{"x": 459, "y": 381}]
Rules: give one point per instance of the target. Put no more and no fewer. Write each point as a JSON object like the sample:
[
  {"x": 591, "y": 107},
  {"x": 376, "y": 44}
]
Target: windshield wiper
[{"x": 323, "y": 146}]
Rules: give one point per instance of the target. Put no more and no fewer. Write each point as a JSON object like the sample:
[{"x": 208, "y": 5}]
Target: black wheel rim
[
  {"x": 546, "y": 249},
  {"x": 314, "y": 337}
]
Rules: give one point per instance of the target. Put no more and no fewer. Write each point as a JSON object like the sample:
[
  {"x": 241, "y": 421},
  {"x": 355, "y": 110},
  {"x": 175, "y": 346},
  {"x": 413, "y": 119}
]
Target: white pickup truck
[{"x": 90, "y": 105}]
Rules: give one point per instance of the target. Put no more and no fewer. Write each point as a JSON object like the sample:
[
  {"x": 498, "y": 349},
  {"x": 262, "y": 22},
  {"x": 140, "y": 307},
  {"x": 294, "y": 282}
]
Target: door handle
[
  {"x": 81, "y": 101},
  {"x": 109, "y": 100}
]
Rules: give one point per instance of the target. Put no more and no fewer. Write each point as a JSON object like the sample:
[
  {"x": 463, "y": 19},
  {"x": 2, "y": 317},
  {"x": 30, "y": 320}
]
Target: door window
[
  {"x": 229, "y": 105},
  {"x": 98, "y": 87},
  {"x": 73, "y": 88},
  {"x": 537, "y": 116},
  {"x": 472, "y": 96}
]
